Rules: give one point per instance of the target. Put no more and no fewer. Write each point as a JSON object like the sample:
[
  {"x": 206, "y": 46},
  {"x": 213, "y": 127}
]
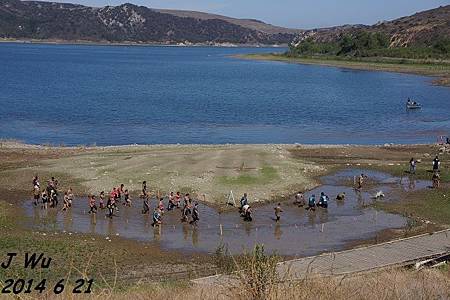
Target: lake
[{"x": 115, "y": 95}]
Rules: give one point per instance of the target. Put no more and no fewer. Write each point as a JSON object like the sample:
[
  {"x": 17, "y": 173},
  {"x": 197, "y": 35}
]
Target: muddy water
[{"x": 299, "y": 232}]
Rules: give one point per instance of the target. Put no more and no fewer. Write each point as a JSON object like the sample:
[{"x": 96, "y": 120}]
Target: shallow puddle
[{"x": 299, "y": 232}]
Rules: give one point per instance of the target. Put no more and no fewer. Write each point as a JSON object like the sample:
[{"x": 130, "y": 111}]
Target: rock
[{"x": 426, "y": 154}]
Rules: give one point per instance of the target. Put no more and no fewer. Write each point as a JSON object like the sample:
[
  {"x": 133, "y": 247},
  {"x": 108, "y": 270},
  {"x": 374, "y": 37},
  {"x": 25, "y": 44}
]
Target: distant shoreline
[
  {"x": 149, "y": 44},
  {"x": 440, "y": 72}
]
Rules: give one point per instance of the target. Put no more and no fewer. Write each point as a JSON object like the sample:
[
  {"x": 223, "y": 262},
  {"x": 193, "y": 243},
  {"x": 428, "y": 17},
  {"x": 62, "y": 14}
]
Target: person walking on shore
[{"x": 436, "y": 164}]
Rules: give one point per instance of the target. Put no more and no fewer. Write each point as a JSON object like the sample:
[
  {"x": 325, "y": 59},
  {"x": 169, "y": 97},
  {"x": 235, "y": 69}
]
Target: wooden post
[
  {"x": 321, "y": 229},
  {"x": 221, "y": 229}
]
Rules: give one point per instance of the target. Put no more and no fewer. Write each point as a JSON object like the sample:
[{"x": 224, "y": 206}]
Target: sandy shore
[{"x": 266, "y": 172}]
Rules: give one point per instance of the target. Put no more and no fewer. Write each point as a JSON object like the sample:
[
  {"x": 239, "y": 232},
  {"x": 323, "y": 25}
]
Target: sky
[{"x": 304, "y": 14}]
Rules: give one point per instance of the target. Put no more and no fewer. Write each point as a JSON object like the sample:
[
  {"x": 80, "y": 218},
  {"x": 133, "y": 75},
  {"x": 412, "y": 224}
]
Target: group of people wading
[
  {"x": 49, "y": 198},
  {"x": 189, "y": 208}
]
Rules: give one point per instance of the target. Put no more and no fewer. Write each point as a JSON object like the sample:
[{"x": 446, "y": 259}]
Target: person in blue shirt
[{"x": 156, "y": 217}]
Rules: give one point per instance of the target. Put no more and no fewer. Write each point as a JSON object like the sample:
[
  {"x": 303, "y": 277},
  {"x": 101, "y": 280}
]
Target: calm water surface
[{"x": 74, "y": 94}]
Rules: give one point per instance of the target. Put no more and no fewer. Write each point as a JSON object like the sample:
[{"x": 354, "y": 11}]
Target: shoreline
[
  {"x": 12, "y": 144},
  {"x": 137, "y": 44},
  {"x": 441, "y": 75}
]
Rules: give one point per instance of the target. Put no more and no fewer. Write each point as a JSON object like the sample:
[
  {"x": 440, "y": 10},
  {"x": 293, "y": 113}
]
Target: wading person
[
  {"x": 101, "y": 200},
  {"x": 412, "y": 166},
  {"x": 65, "y": 202},
  {"x": 299, "y": 199},
  {"x": 92, "y": 205},
  {"x": 177, "y": 199},
  {"x": 436, "y": 179},
  {"x": 144, "y": 193},
  {"x": 36, "y": 194},
  {"x": 161, "y": 205},
  {"x": 45, "y": 200},
  {"x": 156, "y": 217},
  {"x": 146, "y": 206},
  {"x": 247, "y": 213},
  {"x": 311, "y": 202},
  {"x": 195, "y": 215},
  {"x": 53, "y": 198},
  {"x": 323, "y": 200},
  {"x": 120, "y": 192},
  {"x": 36, "y": 181},
  {"x": 185, "y": 212},
  {"x": 70, "y": 197},
  {"x": 127, "y": 198},
  {"x": 244, "y": 201},
  {"x": 360, "y": 181},
  {"x": 171, "y": 203},
  {"x": 110, "y": 206},
  {"x": 340, "y": 196},
  {"x": 278, "y": 212}
]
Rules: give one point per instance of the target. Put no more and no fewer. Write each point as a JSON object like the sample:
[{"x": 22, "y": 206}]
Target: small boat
[{"x": 413, "y": 105}]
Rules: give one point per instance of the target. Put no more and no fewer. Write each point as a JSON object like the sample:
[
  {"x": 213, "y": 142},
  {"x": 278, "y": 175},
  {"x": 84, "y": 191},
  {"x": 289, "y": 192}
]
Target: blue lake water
[{"x": 75, "y": 94}]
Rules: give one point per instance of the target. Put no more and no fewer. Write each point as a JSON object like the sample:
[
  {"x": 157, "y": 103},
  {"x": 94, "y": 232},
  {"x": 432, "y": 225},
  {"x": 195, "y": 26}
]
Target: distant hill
[
  {"x": 131, "y": 23},
  {"x": 247, "y": 23},
  {"x": 420, "y": 29}
]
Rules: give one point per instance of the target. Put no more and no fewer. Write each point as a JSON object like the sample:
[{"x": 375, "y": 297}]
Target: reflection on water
[{"x": 299, "y": 232}]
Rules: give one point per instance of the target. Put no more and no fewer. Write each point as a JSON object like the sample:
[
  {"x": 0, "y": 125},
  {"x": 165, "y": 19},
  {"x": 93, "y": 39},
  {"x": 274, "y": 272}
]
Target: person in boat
[
  {"x": 244, "y": 201},
  {"x": 127, "y": 198},
  {"x": 409, "y": 102},
  {"x": 247, "y": 213},
  {"x": 311, "y": 202},
  {"x": 448, "y": 140},
  {"x": 156, "y": 217},
  {"x": 278, "y": 212},
  {"x": 195, "y": 215},
  {"x": 436, "y": 164},
  {"x": 340, "y": 196},
  {"x": 92, "y": 205},
  {"x": 412, "y": 166},
  {"x": 323, "y": 200},
  {"x": 300, "y": 199}
]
